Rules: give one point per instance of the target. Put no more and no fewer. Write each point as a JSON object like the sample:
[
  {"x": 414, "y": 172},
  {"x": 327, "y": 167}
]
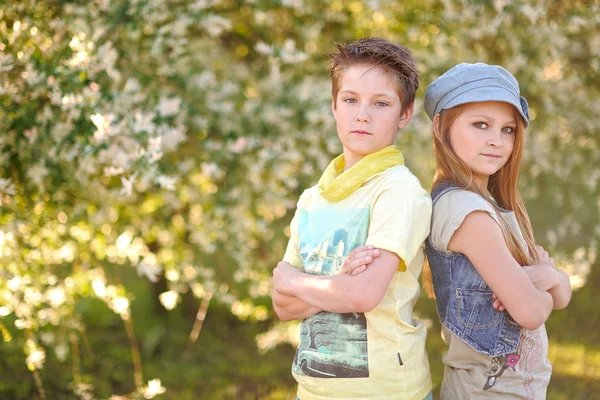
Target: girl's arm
[
  {"x": 561, "y": 293},
  {"x": 547, "y": 277},
  {"x": 480, "y": 239}
]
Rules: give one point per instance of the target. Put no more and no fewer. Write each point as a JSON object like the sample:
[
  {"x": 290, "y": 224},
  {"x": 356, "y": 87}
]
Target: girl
[{"x": 494, "y": 287}]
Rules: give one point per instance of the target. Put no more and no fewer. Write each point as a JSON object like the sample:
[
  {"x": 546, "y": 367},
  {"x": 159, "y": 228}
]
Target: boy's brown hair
[{"x": 395, "y": 59}]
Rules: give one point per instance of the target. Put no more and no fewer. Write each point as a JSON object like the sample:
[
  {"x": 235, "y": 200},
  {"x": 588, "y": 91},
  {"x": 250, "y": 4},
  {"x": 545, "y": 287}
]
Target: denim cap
[{"x": 473, "y": 83}]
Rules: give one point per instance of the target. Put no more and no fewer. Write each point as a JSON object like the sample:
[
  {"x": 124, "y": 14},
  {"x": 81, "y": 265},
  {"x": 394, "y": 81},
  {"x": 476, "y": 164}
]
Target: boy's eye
[
  {"x": 481, "y": 125},
  {"x": 381, "y": 104}
]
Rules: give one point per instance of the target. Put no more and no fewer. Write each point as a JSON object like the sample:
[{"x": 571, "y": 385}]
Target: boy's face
[{"x": 367, "y": 111}]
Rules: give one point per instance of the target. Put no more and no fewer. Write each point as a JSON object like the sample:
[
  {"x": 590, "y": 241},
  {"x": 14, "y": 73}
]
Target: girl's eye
[
  {"x": 381, "y": 104},
  {"x": 481, "y": 125},
  {"x": 508, "y": 129},
  {"x": 350, "y": 100}
]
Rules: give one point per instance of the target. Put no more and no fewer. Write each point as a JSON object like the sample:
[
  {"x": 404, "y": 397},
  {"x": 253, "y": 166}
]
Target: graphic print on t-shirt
[
  {"x": 332, "y": 345},
  {"x": 527, "y": 356}
]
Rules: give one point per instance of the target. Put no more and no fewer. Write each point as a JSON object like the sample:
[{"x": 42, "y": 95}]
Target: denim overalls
[{"x": 464, "y": 300}]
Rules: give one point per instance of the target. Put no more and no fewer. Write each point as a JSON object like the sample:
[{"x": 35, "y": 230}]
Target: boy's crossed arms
[{"x": 298, "y": 295}]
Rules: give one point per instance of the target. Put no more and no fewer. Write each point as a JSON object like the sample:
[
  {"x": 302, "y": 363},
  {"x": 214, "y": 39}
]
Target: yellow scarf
[{"x": 337, "y": 184}]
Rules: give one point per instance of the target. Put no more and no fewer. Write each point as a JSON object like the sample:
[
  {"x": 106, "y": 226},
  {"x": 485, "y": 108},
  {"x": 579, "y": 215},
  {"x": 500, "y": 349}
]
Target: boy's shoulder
[
  {"x": 308, "y": 195},
  {"x": 402, "y": 177},
  {"x": 399, "y": 172}
]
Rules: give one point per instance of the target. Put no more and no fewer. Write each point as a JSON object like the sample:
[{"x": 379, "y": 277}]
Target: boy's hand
[
  {"x": 358, "y": 260},
  {"x": 282, "y": 276}
]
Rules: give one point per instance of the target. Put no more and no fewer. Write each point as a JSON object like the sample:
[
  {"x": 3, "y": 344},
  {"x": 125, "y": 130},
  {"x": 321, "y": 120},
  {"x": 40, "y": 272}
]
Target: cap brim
[{"x": 488, "y": 93}]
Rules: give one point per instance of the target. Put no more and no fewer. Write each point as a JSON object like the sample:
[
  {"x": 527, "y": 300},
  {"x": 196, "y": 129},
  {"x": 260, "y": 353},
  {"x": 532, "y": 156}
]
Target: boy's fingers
[
  {"x": 352, "y": 265},
  {"x": 358, "y": 257},
  {"x": 359, "y": 270},
  {"x": 357, "y": 264},
  {"x": 367, "y": 253},
  {"x": 359, "y": 249}
]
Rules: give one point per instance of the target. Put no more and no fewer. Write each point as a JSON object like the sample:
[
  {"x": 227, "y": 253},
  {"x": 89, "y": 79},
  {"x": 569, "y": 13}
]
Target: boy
[{"x": 358, "y": 339}]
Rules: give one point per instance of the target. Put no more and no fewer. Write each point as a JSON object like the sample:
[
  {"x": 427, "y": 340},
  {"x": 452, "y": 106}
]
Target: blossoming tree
[{"x": 173, "y": 138}]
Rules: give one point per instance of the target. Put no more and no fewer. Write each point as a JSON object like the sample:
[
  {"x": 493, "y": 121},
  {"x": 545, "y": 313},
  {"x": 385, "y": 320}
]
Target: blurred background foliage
[{"x": 152, "y": 151}]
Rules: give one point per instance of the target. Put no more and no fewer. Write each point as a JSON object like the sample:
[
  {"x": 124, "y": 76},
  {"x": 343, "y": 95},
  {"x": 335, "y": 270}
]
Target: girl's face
[{"x": 483, "y": 137}]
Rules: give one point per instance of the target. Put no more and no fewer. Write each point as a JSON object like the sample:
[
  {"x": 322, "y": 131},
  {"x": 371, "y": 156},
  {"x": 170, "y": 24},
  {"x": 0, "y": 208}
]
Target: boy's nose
[{"x": 363, "y": 117}]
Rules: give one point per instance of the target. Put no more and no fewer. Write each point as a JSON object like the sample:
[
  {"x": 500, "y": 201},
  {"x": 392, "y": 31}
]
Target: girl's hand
[
  {"x": 358, "y": 260},
  {"x": 498, "y": 304},
  {"x": 544, "y": 277},
  {"x": 544, "y": 257}
]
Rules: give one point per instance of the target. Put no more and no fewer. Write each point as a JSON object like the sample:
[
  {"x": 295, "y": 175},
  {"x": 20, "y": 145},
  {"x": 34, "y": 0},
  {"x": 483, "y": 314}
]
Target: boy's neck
[{"x": 350, "y": 160}]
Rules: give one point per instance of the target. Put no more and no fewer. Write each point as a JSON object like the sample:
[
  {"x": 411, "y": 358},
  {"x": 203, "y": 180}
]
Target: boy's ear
[
  {"x": 407, "y": 115},
  {"x": 436, "y": 127},
  {"x": 333, "y": 110}
]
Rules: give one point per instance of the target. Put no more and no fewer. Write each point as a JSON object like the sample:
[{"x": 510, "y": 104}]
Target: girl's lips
[{"x": 493, "y": 155}]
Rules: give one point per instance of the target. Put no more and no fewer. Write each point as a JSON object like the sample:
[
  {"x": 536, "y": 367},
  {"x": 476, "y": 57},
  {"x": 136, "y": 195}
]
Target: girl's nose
[{"x": 495, "y": 139}]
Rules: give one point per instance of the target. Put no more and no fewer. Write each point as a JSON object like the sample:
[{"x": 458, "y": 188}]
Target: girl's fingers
[{"x": 498, "y": 305}]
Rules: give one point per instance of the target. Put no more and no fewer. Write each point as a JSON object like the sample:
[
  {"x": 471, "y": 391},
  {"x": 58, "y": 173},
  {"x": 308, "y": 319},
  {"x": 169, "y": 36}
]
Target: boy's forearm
[
  {"x": 338, "y": 293},
  {"x": 290, "y": 308},
  {"x": 561, "y": 293}
]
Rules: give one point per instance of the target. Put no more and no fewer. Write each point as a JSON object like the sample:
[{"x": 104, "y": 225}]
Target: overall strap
[{"x": 441, "y": 189}]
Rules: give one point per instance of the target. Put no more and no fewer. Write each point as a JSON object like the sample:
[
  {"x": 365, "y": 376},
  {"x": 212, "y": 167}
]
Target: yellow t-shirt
[{"x": 378, "y": 354}]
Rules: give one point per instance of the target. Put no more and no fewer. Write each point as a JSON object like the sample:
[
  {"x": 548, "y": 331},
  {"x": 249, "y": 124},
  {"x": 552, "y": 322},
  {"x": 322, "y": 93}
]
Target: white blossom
[
  {"x": 151, "y": 272},
  {"x": 169, "y": 299},
  {"x": 154, "y": 388}
]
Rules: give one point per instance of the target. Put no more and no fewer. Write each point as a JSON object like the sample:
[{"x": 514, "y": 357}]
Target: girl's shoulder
[
  {"x": 461, "y": 200},
  {"x": 451, "y": 209}
]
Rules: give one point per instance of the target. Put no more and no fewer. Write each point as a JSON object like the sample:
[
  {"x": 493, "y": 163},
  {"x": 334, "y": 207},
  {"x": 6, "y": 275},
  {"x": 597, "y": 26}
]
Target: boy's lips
[{"x": 359, "y": 132}]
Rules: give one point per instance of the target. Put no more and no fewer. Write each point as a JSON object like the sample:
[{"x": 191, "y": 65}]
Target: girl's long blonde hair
[{"x": 502, "y": 186}]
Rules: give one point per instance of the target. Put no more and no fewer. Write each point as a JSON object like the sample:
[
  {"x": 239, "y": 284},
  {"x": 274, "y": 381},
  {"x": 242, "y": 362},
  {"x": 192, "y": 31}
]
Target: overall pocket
[{"x": 475, "y": 308}]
